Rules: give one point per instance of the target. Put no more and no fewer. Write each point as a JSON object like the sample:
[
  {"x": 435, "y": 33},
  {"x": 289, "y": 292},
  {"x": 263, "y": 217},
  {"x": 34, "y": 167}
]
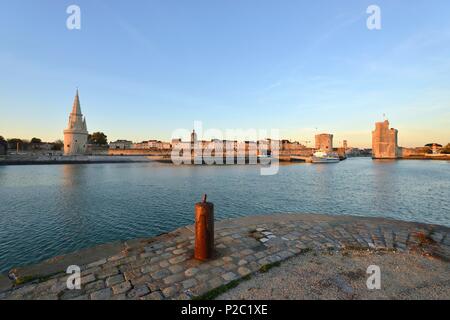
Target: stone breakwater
[
  {"x": 163, "y": 267},
  {"x": 45, "y": 159}
]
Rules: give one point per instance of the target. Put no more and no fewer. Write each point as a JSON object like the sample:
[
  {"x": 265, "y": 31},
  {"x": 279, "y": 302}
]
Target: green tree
[
  {"x": 14, "y": 141},
  {"x": 12, "y": 144},
  {"x": 98, "y": 138},
  {"x": 1, "y": 138},
  {"x": 36, "y": 141},
  {"x": 57, "y": 145},
  {"x": 446, "y": 149}
]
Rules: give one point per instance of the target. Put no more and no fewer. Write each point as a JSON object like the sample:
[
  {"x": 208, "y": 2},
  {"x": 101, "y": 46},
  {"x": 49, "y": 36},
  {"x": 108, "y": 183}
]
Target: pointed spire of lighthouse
[
  {"x": 76, "y": 109},
  {"x": 76, "y": 134}
]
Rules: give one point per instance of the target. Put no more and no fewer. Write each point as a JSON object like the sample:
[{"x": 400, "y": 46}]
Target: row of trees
[
  {"x": 34, "y": 143},
  {"x": 97, "y": 138},
  {"x": 446, "y": 149}
]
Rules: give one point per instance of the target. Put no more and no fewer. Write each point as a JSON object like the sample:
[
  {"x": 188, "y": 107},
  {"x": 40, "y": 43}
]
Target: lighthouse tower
[{"x": 76, "y": 134}]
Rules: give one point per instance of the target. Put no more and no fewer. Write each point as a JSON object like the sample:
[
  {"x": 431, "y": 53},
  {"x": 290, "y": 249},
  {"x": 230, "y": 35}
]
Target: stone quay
[{"x": 163, "y": 267}]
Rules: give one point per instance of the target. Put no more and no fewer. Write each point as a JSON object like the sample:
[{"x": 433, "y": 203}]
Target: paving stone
[
  {"x": 201, "y": 277},
  {"x": 176, "y": 268},
  {"x": 179, "y": 251},
  {"x": 155, "y": 285},
  {"x": 121, "y": 287},
  {"x": 105, "y": 273},
  {"x": 145, "y": 279},
  {"x": 166, "y": 255},
  {"x": 243, "y": 271},
  {"x": 388, "y": 237},
  {"x": 287, "y": 254},
  {"x": 183, "y": 245},
  {"x": 217, "y": 271},
  {"x": 146, "y": 255},
  {"x": 200, "y": 289},
  {"x": 48, "y": 297},
  {"x": 121, "y": 296},
  {"x": 103, "y": 294},
  {"x": 227, "y": 240},
  {"x": 274, "y": 258},
  {"x": 216, "y": 282},
  {"x": 260, "y": 254},
  {"x": 153, "y": 296},
  {"x": 189, "y": 283},
  {"x": 24, "y": 290},
  {"x": 178, "y": 259},
  {"x": 217, "y": 263},
  {"x": 133, "y": 274},
  {"x": 156, "y": 259},
  {"x": 96, "y": 263},
  {"x": 229, "y": 266},
  {"x": 86, "y": 272},
  {"x": 160, "y": 274},
  {"x": 71, "y": 294},
  {"x": 138, "y": 263},
  {"x": 150, "y": 268},
  {"x": 82, "y": 297},
  {"x": 169, "y": 291},
  {"x": 114, "y": 280},
  {"x": 183, "y": 296},
  {"x": 229, "y": 276},
  {"x": 117, "y": 257},
  {"x": 59, "y": 286},
  {"x": 191, "y": 272},
  {"x": 174, "y": 278},
  {"x": 247, "y": 252},
  {"x": 227, "y": 259},
  {"x": 87, "y": 279},
  {"x": 242, "y": 262},
  {"x": 94, "y": 286},
  {"x": 138, "y": 292}
]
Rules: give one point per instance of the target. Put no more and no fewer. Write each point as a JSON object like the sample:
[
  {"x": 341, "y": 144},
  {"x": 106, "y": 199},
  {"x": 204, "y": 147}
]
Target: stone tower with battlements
[
  {"x": 324, "y": 142},
  {"x": 76, "y": 134},
  {"x": 384, "y": 141}
]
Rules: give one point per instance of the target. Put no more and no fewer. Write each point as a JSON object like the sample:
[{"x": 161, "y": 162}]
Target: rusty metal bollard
[{"x": 204, "y": 230}]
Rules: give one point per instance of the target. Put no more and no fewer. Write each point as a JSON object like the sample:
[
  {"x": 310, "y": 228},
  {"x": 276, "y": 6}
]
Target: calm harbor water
[{"x": 55, "y": 209}]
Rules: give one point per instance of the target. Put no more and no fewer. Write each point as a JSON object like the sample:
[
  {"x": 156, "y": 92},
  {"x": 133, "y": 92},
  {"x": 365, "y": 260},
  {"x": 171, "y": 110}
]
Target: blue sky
[{"x": 146, "y": 68}]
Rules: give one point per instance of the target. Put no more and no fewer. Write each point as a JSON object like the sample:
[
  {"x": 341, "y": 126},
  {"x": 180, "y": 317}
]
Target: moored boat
[{"x": 323, "y": 157}]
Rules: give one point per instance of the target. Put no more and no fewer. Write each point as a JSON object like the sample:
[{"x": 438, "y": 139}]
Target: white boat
[{"x": 323, "y": 157}]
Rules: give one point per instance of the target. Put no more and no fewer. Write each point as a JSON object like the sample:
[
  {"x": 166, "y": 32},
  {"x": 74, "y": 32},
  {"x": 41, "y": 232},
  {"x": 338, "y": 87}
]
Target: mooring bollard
[{"x": 204, "y": 230}]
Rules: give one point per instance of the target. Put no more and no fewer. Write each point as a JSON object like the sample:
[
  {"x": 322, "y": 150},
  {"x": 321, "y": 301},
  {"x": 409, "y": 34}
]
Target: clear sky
[{"x": 146, "y": 68}]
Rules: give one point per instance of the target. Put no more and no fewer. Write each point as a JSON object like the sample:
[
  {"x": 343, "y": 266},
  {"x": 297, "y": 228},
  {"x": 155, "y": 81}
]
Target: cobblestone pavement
[{"x": 163, "y": 267}]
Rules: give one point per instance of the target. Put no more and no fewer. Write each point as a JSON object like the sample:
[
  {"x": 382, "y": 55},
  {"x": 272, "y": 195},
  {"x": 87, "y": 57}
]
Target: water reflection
[
  {"x": 73, "y": 175},
  {"x": 49, "y": 210}
]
